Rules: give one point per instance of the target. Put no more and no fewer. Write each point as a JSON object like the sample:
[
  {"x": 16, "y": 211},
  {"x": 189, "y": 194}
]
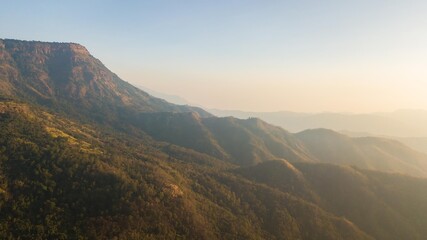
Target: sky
[{"x": 252, "y": 55}]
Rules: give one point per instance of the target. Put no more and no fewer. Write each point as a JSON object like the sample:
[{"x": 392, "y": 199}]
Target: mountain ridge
[
  {"x": 66, "y": 78},
  {"x": 408, "y": 123},
  {"x": 100, "y": 165},
  {"x": 51, "y": 74}
]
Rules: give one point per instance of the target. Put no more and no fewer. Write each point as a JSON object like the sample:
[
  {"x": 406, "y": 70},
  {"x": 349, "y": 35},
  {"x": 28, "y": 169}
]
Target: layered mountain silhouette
[
  {"x": 399, "y": 124},
  {"x": 365, "y": 152},
  {"x": 85, "y": 155}
]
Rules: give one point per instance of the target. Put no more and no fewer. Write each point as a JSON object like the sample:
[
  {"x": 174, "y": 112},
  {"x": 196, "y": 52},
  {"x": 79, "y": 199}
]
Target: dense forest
[{"x": 85, "y": 155}]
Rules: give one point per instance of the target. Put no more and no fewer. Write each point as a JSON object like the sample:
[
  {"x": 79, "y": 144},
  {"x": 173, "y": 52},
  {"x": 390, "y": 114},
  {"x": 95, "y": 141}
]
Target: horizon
[
  {"x": 163, "y": 95},
  {"x": 159, "y": 94},
  {"x": 312, "y": 57},
  {"x": 229, "y": 119}
]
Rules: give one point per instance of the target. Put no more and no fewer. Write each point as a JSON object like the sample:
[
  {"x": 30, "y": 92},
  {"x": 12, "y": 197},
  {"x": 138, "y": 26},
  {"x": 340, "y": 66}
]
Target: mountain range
[
  {"x": 406, "y": 126},
  {"x": 401, "y": 123},
  {"x": 86, "y": 155}
]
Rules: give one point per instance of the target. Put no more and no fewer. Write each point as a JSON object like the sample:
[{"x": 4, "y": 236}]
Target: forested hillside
[{"x": 85, "y": 155}]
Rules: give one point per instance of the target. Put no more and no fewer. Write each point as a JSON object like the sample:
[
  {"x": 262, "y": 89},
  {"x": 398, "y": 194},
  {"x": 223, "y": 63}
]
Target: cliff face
[
  {"x": 58, "y": 70},
  {"x": 48, "y": 73}
]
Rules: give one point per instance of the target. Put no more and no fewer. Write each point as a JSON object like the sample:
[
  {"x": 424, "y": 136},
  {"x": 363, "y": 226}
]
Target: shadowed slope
[
  {"x": 369, "y": 153},
  {"x": 385, "y": 206}
]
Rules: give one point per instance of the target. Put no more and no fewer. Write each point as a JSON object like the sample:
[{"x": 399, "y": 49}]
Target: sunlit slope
[
  {"x": 66, "y": 77},
  {"x": 62, "y": 180}
]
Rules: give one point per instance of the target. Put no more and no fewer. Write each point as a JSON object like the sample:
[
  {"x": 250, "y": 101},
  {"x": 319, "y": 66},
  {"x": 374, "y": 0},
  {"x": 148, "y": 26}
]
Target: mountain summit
[{"x": 67, "y": 75}]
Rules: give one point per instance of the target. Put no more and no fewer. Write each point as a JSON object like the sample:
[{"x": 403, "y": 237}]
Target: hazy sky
[{"x": 264, "y": 55}]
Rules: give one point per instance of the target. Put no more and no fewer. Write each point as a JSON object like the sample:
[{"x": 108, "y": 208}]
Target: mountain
[
  {"x": 68, "y": 181},
  {"x": 417, "y": 143},
  {"x": 66, "y": 76},
  {"x": 406, "y": 126},
  {"x": 85, "y": 155},
  {"x": 403, "y": 123},
  {"x": 385, "y": 206},
  {"x": 364, "y": 152},
  {"x": 251, "y": 141},
  {"x": 61, "y": 180},
  {"x": 243, "y": 142}
]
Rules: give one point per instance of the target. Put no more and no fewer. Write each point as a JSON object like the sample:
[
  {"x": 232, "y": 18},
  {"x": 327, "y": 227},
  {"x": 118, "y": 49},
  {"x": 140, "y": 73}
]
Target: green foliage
[
  {"x": 100, "y": 172},
  {"x": 131, "y": 189},
  {"x": 385, "y": 206}
]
